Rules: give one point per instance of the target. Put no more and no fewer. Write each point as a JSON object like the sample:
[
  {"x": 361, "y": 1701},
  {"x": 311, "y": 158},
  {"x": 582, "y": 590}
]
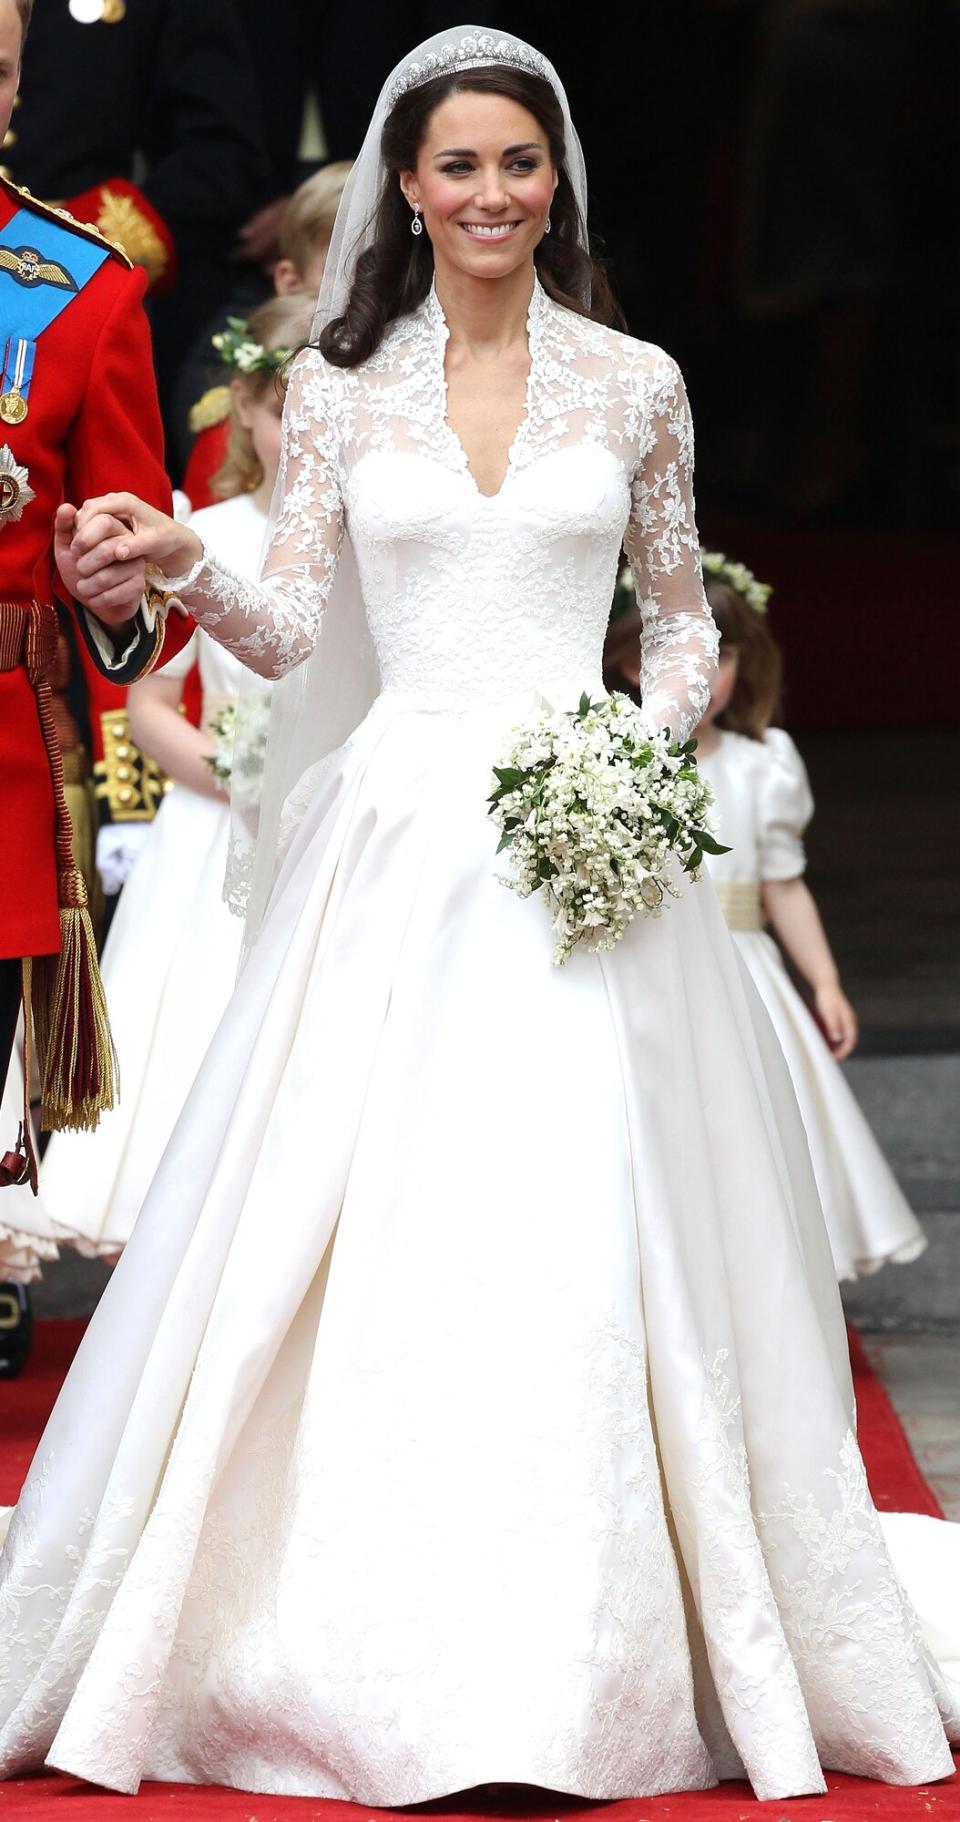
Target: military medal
[
  {"x": 17, "y": 376},
  {"x": 93, "y": 12},
  {"x": 15, "y": 489},
  {"x": 13, "y": 407}
]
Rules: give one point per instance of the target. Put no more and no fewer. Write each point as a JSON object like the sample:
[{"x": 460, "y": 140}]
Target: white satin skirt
[
  {"x": 868, "y": 1218},
  {"x": 471, "y": 1402},
  {"x": 169, "y": 968}
]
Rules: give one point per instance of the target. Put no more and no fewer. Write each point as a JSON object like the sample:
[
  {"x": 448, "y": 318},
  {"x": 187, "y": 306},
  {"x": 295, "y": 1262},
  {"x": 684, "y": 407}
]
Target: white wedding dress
[
  {"x": 472, "y": 1400},
  {"x": 763, "y": 804}
]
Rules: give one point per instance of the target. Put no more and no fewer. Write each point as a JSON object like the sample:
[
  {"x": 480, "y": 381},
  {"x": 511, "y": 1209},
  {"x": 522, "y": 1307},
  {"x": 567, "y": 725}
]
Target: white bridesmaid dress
[
  {"x": 763, "y": 807},
  {"x": 472, "y": 1400},
  {"x": 169, "y": 967}
]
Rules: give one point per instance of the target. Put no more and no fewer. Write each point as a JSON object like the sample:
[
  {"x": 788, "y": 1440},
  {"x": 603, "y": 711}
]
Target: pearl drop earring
[{"x": 416, "y": 226}]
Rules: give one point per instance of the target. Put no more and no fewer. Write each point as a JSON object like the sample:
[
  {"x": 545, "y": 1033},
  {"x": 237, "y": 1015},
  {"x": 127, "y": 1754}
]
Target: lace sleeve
[
  {"x": 679, "y": 635},
  {"x": 274, "y": 624}
]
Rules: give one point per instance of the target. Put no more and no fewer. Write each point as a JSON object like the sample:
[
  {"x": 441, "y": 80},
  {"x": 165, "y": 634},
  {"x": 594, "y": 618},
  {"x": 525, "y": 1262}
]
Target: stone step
[
  {"x": 912, "y": 1104},
  {"x": 920, "y": 1298}
]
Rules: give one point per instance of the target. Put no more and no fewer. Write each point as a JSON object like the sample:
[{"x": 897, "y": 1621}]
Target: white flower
[
  {"x": 248, "y": 354},
  {"x": 592, "y": 807},
  {"x": 738, "y": 577}
]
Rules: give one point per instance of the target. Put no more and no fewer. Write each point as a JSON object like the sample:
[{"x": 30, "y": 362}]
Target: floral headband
[
  {"x": 236, "y": 349},
  {"x": 738, "y": 577}
]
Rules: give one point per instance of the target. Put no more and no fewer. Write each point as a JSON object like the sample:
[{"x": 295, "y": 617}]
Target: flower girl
[
  {"x": 763, "y": 805},
  {"x": 171, "y": 956}
]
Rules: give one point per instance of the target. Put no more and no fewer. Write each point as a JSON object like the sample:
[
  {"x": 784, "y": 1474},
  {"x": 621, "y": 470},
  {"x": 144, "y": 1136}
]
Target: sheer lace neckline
[{"x": 433, "y": 313}]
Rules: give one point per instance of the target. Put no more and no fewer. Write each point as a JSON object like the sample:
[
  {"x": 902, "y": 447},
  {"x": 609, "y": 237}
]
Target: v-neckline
[{"x": 435, "y": 316}]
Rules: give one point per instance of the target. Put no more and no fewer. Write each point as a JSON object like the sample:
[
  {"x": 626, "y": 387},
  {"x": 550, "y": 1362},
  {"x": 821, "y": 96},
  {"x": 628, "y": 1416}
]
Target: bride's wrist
[{"x": 186, "y": 553}]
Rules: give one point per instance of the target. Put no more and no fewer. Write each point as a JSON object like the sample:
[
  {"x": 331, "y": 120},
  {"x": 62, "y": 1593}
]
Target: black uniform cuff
[{"x": 133, "y": 656}]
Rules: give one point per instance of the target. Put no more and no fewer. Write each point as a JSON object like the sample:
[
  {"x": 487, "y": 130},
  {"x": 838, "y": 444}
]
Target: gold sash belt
[{"x": 740, "y": 903}]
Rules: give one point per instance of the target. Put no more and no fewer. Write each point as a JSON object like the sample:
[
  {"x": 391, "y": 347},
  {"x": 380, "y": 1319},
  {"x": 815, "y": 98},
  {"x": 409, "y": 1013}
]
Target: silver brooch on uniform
[{"x": 15, "y": 489}]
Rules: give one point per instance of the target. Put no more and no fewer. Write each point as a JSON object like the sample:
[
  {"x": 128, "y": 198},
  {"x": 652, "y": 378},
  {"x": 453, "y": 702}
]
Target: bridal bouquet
[
  {"x": 240, "y": 731},
  {"x": 593, "y": 809}
]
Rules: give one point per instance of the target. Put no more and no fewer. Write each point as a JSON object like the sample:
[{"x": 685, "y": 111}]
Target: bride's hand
[{"x": 104, "y": 548}]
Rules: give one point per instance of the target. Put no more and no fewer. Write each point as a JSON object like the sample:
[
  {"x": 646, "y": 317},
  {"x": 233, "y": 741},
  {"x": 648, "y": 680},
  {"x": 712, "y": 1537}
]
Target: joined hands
[{"x": 102, "y": 552}]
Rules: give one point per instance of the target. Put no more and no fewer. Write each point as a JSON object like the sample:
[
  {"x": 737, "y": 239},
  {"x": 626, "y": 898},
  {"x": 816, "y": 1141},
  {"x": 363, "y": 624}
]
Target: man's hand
[
  {"x": 115, "y": 589},
  {"x": 113, "y": 538}
]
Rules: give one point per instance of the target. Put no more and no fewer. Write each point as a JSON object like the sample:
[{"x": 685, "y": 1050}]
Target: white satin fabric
[
  {"x": 169, "y": 967},
  {"x": 472, "y": 1400},
  {"x": 763, "y": 806}
]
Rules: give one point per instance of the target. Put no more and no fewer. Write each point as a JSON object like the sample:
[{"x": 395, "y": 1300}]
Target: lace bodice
[{"x": 471, "y": 597}]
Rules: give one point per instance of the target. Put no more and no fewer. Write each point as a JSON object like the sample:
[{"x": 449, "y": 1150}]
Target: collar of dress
[{"x": 537, "y": 312}]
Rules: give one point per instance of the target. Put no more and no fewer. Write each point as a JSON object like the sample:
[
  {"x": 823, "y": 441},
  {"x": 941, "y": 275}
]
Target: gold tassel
[
  {"x": 75, "y": 1053},
  {"x": 76, "y": 1057}
]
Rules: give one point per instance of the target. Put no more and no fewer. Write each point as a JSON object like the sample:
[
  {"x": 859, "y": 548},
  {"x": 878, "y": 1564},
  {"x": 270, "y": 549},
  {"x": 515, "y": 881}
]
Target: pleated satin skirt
[{"x": 471, "y": 1402}]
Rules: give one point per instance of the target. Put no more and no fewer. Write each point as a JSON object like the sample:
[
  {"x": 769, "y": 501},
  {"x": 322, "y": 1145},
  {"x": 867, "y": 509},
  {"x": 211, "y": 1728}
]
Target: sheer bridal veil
[{"x": 319, "y": 704}]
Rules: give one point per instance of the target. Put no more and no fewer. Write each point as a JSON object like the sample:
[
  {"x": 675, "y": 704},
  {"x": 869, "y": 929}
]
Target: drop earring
[
  {"x": 416, "y": 226},
  {"x": 546, "y": 225}
]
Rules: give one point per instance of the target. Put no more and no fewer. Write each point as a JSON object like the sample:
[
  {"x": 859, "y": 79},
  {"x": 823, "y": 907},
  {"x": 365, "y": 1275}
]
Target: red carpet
[{"x": 896, "y": 1483}]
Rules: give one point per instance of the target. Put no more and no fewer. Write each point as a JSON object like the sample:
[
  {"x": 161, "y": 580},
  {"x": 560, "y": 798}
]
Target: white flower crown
[
  {"x": 237, "y": 348},
  {"x": 738, "y": 577}
]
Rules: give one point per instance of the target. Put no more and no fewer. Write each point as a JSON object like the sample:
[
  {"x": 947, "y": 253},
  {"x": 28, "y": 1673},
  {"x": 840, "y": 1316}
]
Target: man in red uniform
[{"x": 78, "y": 416}]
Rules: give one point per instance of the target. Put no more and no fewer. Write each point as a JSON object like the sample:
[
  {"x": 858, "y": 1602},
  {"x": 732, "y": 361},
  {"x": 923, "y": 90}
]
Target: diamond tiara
[{"x": 468, "y": 53}]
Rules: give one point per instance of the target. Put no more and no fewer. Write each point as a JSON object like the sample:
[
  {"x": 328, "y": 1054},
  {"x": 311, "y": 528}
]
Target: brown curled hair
[
  {"x": 395, "y": 272},
  {"x": 755, "y": 702}
]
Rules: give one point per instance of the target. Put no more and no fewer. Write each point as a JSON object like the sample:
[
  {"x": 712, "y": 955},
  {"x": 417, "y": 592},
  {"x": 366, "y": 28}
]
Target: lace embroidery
[
  {"x": 848, "y": 1621},
  {"x": 473, "y": 597}
]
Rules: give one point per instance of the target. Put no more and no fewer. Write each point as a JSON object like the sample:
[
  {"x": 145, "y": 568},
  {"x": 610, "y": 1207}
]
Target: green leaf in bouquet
[
  {"x": 670, "y": 823},
  {"x": 507, "y": 840},
  {"x": 709, "y": 842},
  {"x": 510, "y": 776}
]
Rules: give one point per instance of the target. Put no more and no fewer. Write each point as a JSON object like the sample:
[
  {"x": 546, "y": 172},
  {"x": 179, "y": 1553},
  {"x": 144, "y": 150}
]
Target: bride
[{"x": 472, "y": 1400}]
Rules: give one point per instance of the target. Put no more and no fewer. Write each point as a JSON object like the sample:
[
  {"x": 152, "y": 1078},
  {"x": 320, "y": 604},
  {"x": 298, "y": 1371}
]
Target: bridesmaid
[
  {"x": 171, "y": 914},
  {"x": 763, "y": 807}
]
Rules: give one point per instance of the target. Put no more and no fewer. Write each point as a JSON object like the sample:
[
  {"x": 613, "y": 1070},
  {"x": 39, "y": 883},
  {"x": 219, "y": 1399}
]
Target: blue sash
[{"x": 43, "y": 266}]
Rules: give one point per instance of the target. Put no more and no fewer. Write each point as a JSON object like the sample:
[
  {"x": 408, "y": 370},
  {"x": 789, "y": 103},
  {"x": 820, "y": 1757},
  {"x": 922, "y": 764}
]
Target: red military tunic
[
  {"x": 207, "y": 456},
  {"x": 93, "y": 426}
]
